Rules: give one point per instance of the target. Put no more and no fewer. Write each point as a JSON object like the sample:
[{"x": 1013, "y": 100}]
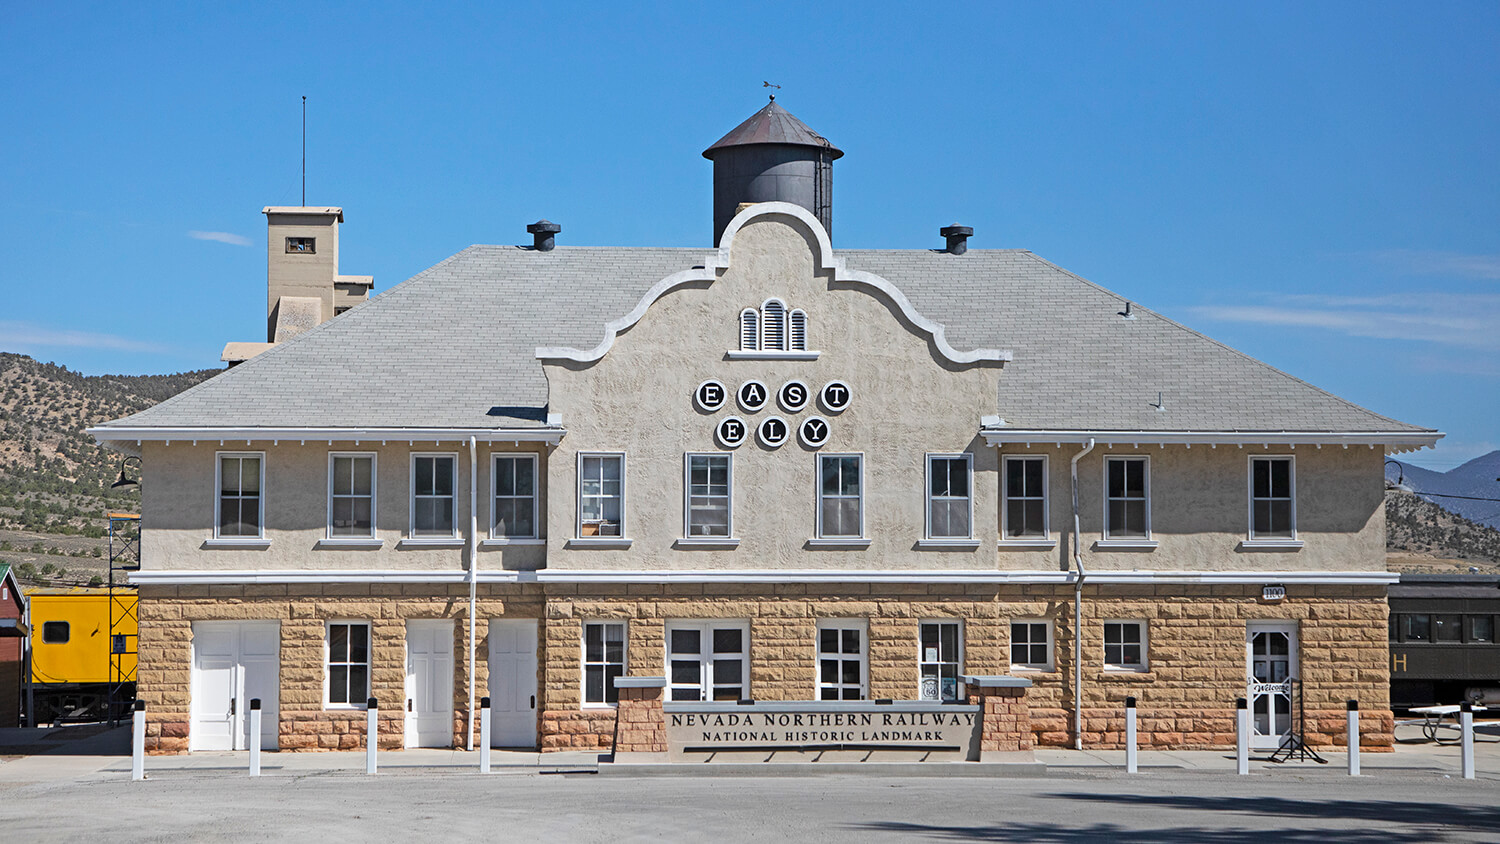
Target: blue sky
[{"x": 1317, "y": 185}]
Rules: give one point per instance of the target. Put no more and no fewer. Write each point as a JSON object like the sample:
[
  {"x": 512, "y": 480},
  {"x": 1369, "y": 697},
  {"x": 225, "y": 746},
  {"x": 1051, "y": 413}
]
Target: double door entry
[
  {"x": 1271, "y": 666},
  {"x": 234, "y": 662}
]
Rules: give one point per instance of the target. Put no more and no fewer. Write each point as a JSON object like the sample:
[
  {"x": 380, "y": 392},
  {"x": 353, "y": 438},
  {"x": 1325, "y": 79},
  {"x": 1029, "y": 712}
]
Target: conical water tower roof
[{"x": 772, "y": 125}]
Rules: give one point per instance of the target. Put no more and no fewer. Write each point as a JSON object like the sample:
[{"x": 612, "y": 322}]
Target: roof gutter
[
  {"x": 128, "y": 440},
  {"x": 1394, "y": 442},
  {"x": 1078, "y": 608}
]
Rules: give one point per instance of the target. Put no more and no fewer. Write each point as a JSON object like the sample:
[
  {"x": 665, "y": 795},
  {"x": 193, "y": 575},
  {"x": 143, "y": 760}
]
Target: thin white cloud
[
  {"x": 1427, "y": 262},
  {"x": 221, "y": 237},
  {"x": 22, "y": 336},
  {"x": 1445, "y": 319}
]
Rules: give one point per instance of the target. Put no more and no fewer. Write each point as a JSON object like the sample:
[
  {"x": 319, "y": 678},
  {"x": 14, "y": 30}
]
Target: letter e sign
[
  {"x": 710, "y": 396},
  {"x": 731, "y": 431}
]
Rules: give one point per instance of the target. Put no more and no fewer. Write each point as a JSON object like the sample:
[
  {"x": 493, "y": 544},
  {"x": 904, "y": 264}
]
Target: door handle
[
  {"x": 408, "y": 704},
  {"x": 232, "y": 703},
  {"x": 533, "y": 701}
]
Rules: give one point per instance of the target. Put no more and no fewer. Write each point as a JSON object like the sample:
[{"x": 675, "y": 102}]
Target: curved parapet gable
[{"x": 825, "y": 260}]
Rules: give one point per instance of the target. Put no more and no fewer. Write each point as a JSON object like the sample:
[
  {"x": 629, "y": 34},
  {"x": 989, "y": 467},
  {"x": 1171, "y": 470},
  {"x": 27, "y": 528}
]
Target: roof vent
[
  {"x": 543, "y": 232},
  {"x": 958, "y": 238}
]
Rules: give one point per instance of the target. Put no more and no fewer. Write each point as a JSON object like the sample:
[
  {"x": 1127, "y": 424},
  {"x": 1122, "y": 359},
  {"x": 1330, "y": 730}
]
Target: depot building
[{"x": 761, "y": 499}]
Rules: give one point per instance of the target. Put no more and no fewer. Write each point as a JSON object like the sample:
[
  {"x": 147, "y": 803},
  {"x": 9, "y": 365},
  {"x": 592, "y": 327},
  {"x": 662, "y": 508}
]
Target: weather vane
[{"x": 765, "y": 84}]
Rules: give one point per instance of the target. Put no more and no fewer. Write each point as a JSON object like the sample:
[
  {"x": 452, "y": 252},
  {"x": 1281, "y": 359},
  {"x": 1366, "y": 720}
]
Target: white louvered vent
[
  {"x": 798, "y": 330},
  {"x": 773, "y": 327},
  {"x": 749, "y": 330}
]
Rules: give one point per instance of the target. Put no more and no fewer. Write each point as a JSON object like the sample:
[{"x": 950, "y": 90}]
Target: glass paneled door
[{"x": 1271, "y": 664}]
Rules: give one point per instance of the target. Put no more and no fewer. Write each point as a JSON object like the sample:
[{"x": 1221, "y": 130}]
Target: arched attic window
[
  {"x": 773, "y": 325},
  {"x": 749, "y": 330},
  {"x": 797, "y": 329}
]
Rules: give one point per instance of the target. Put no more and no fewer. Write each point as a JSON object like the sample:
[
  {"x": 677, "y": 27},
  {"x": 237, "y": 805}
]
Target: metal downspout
[
  {"x": 473, "y": 577},
  {"x": 1078, "y": 609}
]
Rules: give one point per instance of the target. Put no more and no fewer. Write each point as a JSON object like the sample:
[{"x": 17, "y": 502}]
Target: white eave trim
[
  {"x": 313, "y": 576},
  {"x": 826, "y": 260},
  {"x": 129, "y": 439},
  {"x": 1395, "y": 442}
]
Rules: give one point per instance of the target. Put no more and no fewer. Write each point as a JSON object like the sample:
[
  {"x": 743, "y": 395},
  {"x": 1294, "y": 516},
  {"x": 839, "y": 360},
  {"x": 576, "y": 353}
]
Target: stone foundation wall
[
  {"x": 1196, "y": 651},
  {"x": 1005, "y": 719},
  {"x": 641, "y": 727}
]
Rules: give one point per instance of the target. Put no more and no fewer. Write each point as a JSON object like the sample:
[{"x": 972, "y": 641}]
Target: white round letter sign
[
  {"x": 835, "y": 396},
  {"x": 792, "y": 396},
  {"x": 814, "y": 432},
  {"x": 710, "y": 395},
  {"x": 753, "y": 395},
  {"x": 773, "y": 432},
  {"x": 731, "y": 431}
]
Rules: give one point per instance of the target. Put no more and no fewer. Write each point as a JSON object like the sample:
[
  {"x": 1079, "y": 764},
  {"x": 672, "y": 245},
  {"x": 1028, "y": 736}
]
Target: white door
[
  {"x": 233, "y": 663},
  {"x": 429, "y": 683},
  {"x": 512, "y": 682},
  {"x": 1271, "y": 664}
]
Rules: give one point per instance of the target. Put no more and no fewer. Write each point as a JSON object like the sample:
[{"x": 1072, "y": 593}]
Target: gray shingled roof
[{"x": 454, "y": 347}]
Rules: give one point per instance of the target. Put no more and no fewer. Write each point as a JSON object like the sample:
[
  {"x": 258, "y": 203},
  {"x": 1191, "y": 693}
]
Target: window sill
[
  {"x": 432, "y": 542},
  {"x": 1033, "y": 670},
  {"x": 747, "y": 354},
  {"x": 598, "y": 706},
  {"x": 1126, "y": 675},
  {"x": 237, "y": 542},
  {"x": 344, "y": 707},
  {"x": 839, "y": 542},
  {"x": 502, "y": 541},
  {"x": 948, "y": 543},
  {"x": 351, "y": 542},
  {"x": 1028, "y": 544},
  {"x": 1270, "y": 544},
  {"x": 599, "y": 542},
  {"x": 707, "y": 542},
  {"x": 1125, "y": 544}
]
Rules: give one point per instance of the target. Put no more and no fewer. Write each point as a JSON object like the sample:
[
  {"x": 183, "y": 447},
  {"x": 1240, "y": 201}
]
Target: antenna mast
[{"x": 304, "y": 151}]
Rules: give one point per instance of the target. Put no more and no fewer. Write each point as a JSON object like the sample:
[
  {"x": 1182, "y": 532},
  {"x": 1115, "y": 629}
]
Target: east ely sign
[{"x": 920, "y": 728}]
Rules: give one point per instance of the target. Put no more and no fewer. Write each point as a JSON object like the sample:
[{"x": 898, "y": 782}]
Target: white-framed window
[
  {"x": 240, "y": 481},
  {"x": 351, "y": 495},
  {"x": 708, "y": 660},
  {"x": 842, "y": 657},
  {"x": 1024, "y": 512},
  {"x": 601, "y": 495},
  {"x": 1125, "y": 645},
  {"x": 513, "y": 506},
  {"x": 940, "y": 653},
  {"x": 1127, "y": 498},
  {"x": 773, "y": 326},
  {"x": 749, "y": 330},
  {"x": 603, "y": 661},
  {"x": 1031, "y": 644},
  {"x": 433, "y": 503},
  {"x": 841, "y": 496},
  {"x": 347, "y": 664},
  {"x": 710, "y": 504},
  {"x": 950, "y": 502},
  {"x": 1273, "y": 498},
  {"x": 797, "y": 330}
]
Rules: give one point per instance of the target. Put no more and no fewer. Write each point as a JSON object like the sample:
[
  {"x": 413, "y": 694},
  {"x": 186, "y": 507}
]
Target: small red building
[{"x": 13, "y": 632}]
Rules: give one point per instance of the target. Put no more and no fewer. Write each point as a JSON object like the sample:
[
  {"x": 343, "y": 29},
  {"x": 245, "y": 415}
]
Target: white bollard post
[
  {"x": 253, "y": 739},
  {"x": 372, "y": 731},
  {"x": 1351, "y": 738},
  {"x": 484, "y": 735},
  {"x": 138, "y": 742},
  {"x": 1130, "y": 760},
  {"x": 1466, "y": 725},
  {"x": 1242, "y": 737}
]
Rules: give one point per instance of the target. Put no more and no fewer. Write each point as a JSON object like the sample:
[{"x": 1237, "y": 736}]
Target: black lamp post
[{"x": 124, "y": 481}]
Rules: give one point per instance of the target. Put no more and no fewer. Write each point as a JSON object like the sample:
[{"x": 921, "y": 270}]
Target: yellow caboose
[{"x": 83, "y": 653}]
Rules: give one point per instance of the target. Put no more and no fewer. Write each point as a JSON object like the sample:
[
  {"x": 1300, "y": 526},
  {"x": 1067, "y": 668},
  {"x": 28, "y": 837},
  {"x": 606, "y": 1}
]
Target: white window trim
[
  {"x": 600, "y": 541},
  {"x": 706, "y": 656},
  {"x": 536, "y": 500},
  {"x": 411, "y": 527},
  {"x": 765, "y": 324},
  {"x": 369, "y": 658},
  {"x": 1279, "y": 542},
  {"x": 757, "y": 354},
  {"x": 687, "y": 497},
  {"x": 1034, "y": 667},
  {"x": 1046, "y": 540},
  {"x": 353, "y": 541},
  {"x": 1141, "y": 542},
  {"x": 1145, "y": 665},
  {"x": 864, "y": 654},
  {"x": 927, "y": 537},
  {"x": 921, "y": 661},
  {"x": 583, "y": 663},
  {"x": 818, "y": 538},
  {"x": 258, "y": 541},
  {"x": 749, "y": 332}
]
